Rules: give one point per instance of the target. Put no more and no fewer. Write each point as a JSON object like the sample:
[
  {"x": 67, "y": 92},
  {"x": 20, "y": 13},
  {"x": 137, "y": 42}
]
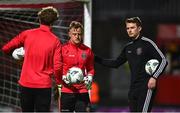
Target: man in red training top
[
  {"x": 42, "y": 59},
  {"x": 75, "y": 97}
]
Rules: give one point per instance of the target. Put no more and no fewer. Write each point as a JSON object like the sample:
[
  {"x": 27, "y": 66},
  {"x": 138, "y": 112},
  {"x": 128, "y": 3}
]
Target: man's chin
[
  {"x": 78, "y": 42},
  {"x": 131, "y": 36}
]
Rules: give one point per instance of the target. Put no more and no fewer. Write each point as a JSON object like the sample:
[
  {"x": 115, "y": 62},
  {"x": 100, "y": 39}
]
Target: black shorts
[
  {"x": 35, "y": 99},
  {"x": 78, "y": 102}
]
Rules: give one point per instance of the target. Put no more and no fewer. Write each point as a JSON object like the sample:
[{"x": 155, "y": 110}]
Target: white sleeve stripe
[
  {"x": 161, "y": 67},
  {"x": 147, "y": 101},
  {"x": 163, "y": 63}
]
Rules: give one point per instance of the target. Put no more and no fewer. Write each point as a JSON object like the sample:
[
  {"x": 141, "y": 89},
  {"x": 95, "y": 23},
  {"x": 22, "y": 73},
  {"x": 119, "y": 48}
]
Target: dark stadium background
[{"x": 109, "y": 36}]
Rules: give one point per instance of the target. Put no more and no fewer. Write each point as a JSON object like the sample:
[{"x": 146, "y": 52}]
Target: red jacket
[
  {"x": 42, "y": 57},
  {"x": 77, "y": 56}
]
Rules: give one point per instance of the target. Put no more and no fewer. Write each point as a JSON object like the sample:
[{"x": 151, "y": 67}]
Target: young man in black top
[{"x": 137, "y": 53}]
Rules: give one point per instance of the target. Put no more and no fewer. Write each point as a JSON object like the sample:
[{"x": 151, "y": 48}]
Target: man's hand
[
  {"x": 88, "y": 81},
  {"x": 57, "y": 93},
  {"x": 65, "y": 79},
  {"x": 152, "y": 83}
]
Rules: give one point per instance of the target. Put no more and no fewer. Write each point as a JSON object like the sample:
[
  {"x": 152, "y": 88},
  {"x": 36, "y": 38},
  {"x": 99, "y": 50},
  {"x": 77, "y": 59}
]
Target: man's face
[
  {"x": 75, "y": 35},
  {"x": 133, "y": 30}
]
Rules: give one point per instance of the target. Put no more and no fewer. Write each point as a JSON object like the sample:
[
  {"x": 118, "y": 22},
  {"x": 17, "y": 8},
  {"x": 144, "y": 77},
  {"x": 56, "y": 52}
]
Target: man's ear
[
  {"x": 140, "y": 28},
  {"x": 69, "y": 33}
]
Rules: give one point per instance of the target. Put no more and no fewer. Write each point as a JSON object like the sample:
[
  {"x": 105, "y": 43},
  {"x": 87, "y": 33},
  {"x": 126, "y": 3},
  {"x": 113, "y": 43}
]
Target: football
[
  {"x": 18, "y": 53},
  {"x": 151, "y": 66},
  {"x": 75, "y": 75}
]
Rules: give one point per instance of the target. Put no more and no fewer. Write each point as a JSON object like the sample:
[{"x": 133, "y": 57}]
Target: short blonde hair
[{"x": 76, "y": 24}]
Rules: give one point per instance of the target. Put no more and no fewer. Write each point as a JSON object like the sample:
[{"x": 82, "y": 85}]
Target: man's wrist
[
  {"x": 154, "y": 77},
  {"x": 59, "y": 85}
]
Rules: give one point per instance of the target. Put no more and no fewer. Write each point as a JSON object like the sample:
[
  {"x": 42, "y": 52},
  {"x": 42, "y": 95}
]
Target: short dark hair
[
  {"x": 48, "y": 15},
  {"x": 76, "y": 24},
  {"x": 136, "y": 20}
]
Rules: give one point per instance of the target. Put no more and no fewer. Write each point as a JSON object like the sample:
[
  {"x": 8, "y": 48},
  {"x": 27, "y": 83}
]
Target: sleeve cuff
[{"x": 154, "y": 77}]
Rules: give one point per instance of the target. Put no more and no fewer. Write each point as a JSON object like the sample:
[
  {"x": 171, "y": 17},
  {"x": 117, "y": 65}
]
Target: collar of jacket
[
  {"x": 79, "y": 45},
  {"x": 45, "y": 27},
  {"x": 137, "y": 38}
]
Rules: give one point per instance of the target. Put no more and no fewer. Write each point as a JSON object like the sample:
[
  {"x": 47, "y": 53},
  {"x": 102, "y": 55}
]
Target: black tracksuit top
[{"x": 137, "y": 53}]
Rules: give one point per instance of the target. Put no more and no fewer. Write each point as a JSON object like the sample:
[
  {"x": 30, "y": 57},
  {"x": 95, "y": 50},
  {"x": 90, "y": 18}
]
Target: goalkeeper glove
[
  {"x": 65, "y": 79},
  {"x": 88, "y": 81}
]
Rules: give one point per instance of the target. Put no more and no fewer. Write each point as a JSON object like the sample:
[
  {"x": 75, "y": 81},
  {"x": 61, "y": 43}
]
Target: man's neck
[{"x": 137, "y": 37}]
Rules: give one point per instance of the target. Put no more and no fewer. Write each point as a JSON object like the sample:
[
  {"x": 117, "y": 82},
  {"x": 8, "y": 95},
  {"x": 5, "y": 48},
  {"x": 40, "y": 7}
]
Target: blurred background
[
  {"x": 161, "y": 23},
  {"x": 161, "y": 19}
]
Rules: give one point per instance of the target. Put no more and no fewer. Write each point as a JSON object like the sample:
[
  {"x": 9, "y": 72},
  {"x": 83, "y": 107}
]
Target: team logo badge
[
  {"x": 139, "y": 51},
  {"x": 83, "y": 55}
]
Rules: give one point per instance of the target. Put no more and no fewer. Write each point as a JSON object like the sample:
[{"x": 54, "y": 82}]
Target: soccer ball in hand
[
  {"x": 75, "y": 75},
  {"x": 18, "y": 53},
  {"x": 151, "y": 66}
]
